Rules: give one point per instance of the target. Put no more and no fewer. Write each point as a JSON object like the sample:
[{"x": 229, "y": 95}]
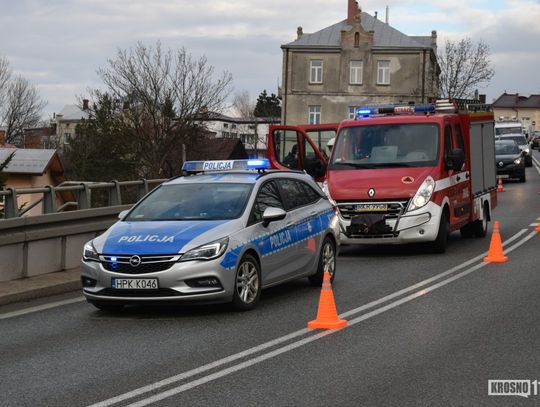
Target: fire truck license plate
[
  {"x": 135, "y": 283},
  {"x": 371, "y": 208}
]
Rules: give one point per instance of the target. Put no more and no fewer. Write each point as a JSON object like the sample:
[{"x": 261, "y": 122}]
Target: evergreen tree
[{"x": 267, "y": 106}]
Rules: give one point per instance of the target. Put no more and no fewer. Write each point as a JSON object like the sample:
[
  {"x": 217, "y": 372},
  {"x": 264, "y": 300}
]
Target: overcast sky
[{"x": 59, "y": 44}]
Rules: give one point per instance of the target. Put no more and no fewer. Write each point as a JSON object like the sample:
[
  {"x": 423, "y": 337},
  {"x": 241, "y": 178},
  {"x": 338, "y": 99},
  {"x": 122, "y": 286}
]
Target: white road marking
[
  {"x": 302, "y": 342},
  {"x": 40, "y": 308},
  {"x": 177, "y": 378}
]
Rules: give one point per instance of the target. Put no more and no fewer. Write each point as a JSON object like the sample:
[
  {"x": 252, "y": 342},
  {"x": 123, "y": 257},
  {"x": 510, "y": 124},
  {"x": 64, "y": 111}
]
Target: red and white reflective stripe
[{"x": 444, "y": 183}]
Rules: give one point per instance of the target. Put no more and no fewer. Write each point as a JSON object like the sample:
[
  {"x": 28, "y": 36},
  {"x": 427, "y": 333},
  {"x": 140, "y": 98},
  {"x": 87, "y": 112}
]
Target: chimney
[
  {"x": 376, "y": 15},
  {"x": 299, "y": 33},
  {"x": 387, "y": 14},
  {"x": 352, "y": 11},
  {"x": 85, "y": 104},
  {"x": 2, "y": 137}
]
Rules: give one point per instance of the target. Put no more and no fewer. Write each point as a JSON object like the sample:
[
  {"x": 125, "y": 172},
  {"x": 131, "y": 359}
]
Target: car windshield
[
  {"x": 506, "y": 148},
  {"x": 208, "y": 201},
  {"x": 386, "y": 145},
  {"x": 507, "y": 130},
  {"x": 520, "y": 140}
]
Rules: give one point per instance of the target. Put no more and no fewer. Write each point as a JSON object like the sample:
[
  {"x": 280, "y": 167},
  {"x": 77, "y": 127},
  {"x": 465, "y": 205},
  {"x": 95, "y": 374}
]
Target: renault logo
[
  {"x": 501, "y": 163},
  {"x": 135, "y": 261},
  {"x": 371, "y": 192}
]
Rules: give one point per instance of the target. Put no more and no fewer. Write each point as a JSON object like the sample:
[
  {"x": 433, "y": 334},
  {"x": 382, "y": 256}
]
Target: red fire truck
[{"x": 401, "y": 174}]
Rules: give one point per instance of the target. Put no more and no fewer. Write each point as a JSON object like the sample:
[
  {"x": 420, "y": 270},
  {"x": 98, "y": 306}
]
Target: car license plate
[
  {"x": 503, "y": 175},
  {"x": 371, "y": 208},
  {"x": 135, "y": 283}
]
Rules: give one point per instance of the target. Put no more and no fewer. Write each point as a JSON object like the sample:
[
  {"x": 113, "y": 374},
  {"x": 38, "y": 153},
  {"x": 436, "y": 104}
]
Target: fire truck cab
[{"x": 401, "y": 174}]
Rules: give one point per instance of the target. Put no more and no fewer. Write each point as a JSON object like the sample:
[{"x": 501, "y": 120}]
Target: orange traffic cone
[
  {"x": 327, "y": 317},
  {"x": 495, "y": 253},
  {"x": 537, "y": 229},
  {"x": 500, "y": 187}
]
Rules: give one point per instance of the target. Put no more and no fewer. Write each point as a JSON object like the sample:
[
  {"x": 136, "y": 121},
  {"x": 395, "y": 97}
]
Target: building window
[
  {"x": 356, "y": 40},
  {"x": 226, "y": 134},
  {"x": 67, "y": 138},
  {"x": 383, "y": 72},
  {"x": 233, "y": 126},
  {"x": 314, "y": 115},
  {"x": 351, "y": 112},
  {"x": 225, "y": 125},
  {"x": 356, "y": 72},
  {"x": 316, "y": 67}
]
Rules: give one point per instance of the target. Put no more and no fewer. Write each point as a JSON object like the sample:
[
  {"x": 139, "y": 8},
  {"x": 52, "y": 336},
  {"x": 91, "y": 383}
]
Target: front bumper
[
  {"x": 418, "y": 226},
  {"x": 512, "y": 171},
  {"x": 176, "y": 284}
]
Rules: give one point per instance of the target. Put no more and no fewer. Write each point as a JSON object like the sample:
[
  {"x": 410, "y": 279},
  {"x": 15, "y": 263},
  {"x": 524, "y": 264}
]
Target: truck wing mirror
[{"x": 455, "y": 159}]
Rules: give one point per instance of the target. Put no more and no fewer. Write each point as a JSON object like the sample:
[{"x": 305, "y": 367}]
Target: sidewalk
[{"x": 39, "y": 286}]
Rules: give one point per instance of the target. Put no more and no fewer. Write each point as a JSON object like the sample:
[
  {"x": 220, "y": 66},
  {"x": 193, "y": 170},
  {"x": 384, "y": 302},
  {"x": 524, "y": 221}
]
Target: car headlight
[
  {"x": 517, "y": 161},
  {"x": 208, "y": 251},
  {"x": 527, "y": 150},
  {"x": 327, "y": 193},
  {"x": 423, "y": 195},
  {"x": 90, "y": 253}
]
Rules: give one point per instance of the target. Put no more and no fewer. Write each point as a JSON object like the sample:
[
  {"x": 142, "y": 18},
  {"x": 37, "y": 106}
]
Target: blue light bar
[
  {"x": 225, "y": 165},
  {"x": 363, "y": 111},
  {"x": 424, "y": 108}
]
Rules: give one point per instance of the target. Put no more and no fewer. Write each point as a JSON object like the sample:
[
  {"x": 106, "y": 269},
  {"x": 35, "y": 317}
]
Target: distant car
[
  {"x": 509, "y": 160},
  {"x": 220, "y": 234},
  {"x": 535, "y": 140},
  {"x": 522, "y": 143}
]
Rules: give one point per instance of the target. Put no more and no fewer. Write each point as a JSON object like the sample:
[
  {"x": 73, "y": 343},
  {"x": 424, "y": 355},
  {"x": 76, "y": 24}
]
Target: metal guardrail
[{"x": 81, "y": 191}]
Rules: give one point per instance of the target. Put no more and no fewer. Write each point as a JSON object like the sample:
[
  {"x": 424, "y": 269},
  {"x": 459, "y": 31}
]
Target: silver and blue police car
[{"x": 220, "y": 233}]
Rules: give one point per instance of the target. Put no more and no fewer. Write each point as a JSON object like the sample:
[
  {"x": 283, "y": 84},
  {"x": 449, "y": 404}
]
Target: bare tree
[
  {"x": 464, "y": 67},
  {"x": 23, "y": 108},
  {"x": 244, "y": 107},
  {"x": 161, "y": 93},
  {"x": 5, "y": 75}
]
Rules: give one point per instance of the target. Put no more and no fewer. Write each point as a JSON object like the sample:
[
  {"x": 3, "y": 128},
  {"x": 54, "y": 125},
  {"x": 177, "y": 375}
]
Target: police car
[{"x": 220, "y": 233}]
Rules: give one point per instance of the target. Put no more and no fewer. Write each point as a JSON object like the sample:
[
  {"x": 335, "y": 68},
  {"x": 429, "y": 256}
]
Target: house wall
[{"x": 19, "y": 181}]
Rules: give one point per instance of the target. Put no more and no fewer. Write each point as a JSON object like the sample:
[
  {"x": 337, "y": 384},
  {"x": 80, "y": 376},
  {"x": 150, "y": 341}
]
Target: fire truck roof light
[
  {"x": 225, "y": 165},
  {"x": 364, "y": 112}
]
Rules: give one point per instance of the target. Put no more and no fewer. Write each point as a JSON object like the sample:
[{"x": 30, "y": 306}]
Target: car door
[
  {"x": 291, "y": 147},
  {"x": 300, "y": 202},
  {"x": 275, "y": 241}
]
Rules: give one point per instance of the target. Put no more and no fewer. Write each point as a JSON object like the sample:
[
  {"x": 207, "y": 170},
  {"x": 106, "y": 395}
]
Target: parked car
[
  {"x": 522, "y": 143},
  {"x": 509, "y": 160},
  {"x": 535, "y": 140},
  {"x": 220, "y": 234}
]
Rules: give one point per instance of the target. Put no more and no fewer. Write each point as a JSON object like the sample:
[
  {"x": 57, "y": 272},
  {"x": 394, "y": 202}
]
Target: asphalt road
[{"x": 424, "y": 330}]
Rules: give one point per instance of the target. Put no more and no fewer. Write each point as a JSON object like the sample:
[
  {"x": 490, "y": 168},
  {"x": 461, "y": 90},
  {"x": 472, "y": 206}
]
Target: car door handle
[{"x": 458, "y": 178}]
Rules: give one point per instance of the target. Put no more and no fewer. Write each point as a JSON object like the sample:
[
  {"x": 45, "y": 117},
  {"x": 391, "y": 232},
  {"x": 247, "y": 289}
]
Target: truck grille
[
  {"x": 390, "y": 209},
  {"x": 137, "y": 264}
]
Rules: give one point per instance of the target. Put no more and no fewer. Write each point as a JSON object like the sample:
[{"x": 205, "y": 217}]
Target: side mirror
[
  {"x": 272, "y": 214},
  {"x": 123, "y": 214},
  {"x": 455, "y": 159}
]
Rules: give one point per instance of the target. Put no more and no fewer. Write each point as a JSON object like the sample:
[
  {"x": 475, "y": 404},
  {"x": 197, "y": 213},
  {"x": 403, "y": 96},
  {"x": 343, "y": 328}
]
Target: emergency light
[
  {"x": 225, "y": 165},
  {"x": 368, "y": 111}
]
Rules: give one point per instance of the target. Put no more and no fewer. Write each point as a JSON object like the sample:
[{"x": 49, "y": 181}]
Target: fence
[{"x": 114, "y": 192}]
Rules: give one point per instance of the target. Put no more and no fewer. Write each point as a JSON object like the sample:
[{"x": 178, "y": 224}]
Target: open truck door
[{"x": 301, "y": 148}]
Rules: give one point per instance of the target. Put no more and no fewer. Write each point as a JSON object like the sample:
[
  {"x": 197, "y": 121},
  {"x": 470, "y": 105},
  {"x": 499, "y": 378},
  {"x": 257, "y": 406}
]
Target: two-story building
[
  {"x": 526, "y": 109},
  {"x": 358, "y": 61}
]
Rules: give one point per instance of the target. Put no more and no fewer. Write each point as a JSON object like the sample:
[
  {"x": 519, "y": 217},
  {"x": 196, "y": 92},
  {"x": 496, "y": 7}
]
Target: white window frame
[
  {"x": 316, "y": 71},
  {"x": 351, "y": 111},
  {"x": 383, "y": 72},
  {"x": 314, "y": 114},
  {"x": 356, "y": 72}
]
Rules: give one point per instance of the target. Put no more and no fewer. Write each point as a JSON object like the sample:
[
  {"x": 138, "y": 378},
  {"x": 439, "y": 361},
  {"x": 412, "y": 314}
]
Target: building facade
[
  {"x": 523, "y": 108},
  {"x": 358, "y": 61}
]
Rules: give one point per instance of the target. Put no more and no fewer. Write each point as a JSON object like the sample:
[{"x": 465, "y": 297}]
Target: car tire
[
  {"x": 327, "y": 262},
  {"x": 523, "y": 178},
  {"x": 480, "y": 227},
  {"x": 467, "y": 231},
  {"x": 247, "y": 284},
  {"x": 107, "y": 306},
  {"x": 440, "y": 242}
]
